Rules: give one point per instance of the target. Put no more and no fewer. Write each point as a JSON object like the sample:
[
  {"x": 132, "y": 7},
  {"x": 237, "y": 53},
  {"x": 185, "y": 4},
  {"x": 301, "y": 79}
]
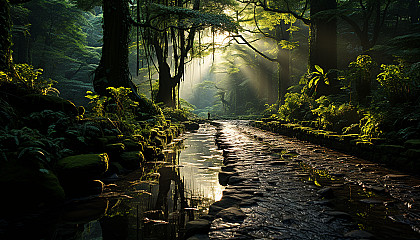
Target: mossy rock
[
  {"x": 85, "y": 166},
  {"x": 150, "y": 153},
  {"x": 159, "y": 142},
  {"x": 38, "y": 102},
  {"x": 27, "y": 188},
  {"x": 83, "y": 188},
  {"x": 114, "y": 138},
  {"x": 131, "y": 160},
  {"x": 390, "y": 149},
  {"x": 412, "y": 143},
  {"x": 114, "y": 148},
  {"x": 132, "y": 145}
]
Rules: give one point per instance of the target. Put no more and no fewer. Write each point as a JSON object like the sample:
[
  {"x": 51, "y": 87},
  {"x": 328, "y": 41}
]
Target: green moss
[
  {"x": 131, "y": 145},
  {"x": 115, "y": 148},
  {"x": 88, "y": 166},
  {"x": 132, "y": 160}
]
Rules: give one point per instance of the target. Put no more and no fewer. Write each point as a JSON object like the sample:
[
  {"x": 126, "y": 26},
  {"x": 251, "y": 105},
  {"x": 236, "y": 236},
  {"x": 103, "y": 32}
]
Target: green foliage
[
  {"x": 395, "y": 82},
  {"x": 97, "y": 102},
  {"x": 26, "y": 76},
  {"x": 359, "y": 76},
  {"x": 296, "y": 107},
  {"x": 124, "y": 104},
  {"x": 313, "y": 79},
  {"x": 333, "y": 116},
  {"x": 370, "y": 125}
]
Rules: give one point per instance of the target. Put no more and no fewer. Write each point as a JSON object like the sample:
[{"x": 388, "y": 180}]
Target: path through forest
[{"x": 290, "y": 189}]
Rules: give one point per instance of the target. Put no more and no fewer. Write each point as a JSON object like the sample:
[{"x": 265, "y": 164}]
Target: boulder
[
  {"x": 82, "y": 188},
  {"x": 131, "y": 145},
  {"x": 197, "y": 226},
  {"x": 232, "y": 214},
  {"x": 27, "y": 188},
  {"x": 84, "y": 166},
  {"x": 131, "y": 160}
]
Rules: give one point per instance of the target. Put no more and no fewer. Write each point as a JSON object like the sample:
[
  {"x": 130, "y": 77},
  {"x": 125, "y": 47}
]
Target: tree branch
[{"x": 253, "y": 48}]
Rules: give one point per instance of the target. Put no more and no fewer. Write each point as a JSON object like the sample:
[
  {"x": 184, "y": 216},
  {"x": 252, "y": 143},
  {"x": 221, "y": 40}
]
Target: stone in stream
[
  {"x": 359, "y": 234},
  {"x": 326, "y": 192},
  {"x": 225, "y": 176},
  {"x": 396, "y": 176},
  {"x": 338, "y": 214},
  {"x": 235, "y": 180},
  {"x": 232, "y": 214},
  {"x": 278, "y": 163},
  {"x": 196, "y": 227},
  {"x": 371, "y": 201}
]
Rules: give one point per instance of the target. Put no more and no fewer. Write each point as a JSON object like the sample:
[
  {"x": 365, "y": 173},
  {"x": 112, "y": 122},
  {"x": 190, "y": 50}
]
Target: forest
[{"x": 93, "y": 92}]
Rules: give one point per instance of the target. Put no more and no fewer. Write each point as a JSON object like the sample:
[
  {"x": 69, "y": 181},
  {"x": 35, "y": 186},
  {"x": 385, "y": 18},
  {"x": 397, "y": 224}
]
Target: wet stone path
[{"x": 282, "y": 188}]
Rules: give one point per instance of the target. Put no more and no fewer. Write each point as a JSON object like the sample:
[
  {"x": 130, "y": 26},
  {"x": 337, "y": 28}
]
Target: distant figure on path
[{"x": 208, "y": 116}]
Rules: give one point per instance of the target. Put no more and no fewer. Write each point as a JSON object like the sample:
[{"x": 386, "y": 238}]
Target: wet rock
[
  {"x": 338, "y": 214},
  {"x": 247, "y": 202},
  {"x": 326, "y": 192},
  {"x": 396, "y": 176},
  {"x": 225, "y": 176},
  {"x": 371, "y": 201},
  {"x": 85, "y": 166},
  {"x": 323, "y": 202},
  {"x": 232, "y": 214},
  {"x": 197, "y": 226},
  {"x": 359, "y": 234},
  {"x": 235, "y": 180},
  {"x": 278, "y": 163},
  {"x": 228, "y": 168},
  {"x": 214, "y": 209}
]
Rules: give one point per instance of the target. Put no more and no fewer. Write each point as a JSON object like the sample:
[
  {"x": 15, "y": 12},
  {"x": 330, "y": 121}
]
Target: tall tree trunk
[
  {"x": 283, "y": 60},
  {"x": 5, "y": 37},
  {"x": 166, "y": 86},
  {"x": 113, "y": 68},
  {"x": 323, "y": 42}
]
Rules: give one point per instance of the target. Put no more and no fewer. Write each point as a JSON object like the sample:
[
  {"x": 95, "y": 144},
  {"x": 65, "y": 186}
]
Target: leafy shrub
[
  {"x": 358, "y": 77},
  {"x": 29, "y": 77},
  {"x": 395, "y": 82},
  {"x": 370, "y": 124},
  {"x": 296, "y": 107},
  {"x": 335, "y": 117}
]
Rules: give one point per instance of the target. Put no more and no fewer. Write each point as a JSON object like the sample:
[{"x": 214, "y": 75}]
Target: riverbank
[{"x": 403, "y": 156}]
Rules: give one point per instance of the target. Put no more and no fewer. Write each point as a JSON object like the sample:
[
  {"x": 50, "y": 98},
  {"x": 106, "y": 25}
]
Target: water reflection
[{"x": 186, "y": 186}]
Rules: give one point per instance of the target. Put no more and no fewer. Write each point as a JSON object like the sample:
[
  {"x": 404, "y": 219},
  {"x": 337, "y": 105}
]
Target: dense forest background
[{"x": 233, "y": 59}]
